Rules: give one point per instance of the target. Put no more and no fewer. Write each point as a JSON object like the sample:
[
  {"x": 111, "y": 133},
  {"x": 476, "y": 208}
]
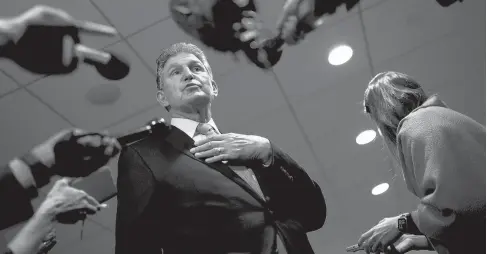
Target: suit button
[{"x": 267, "y": 198}]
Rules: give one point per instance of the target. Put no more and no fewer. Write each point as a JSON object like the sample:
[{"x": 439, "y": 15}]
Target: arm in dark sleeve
[
  {"x": 136, "y": 185},
  {"x": 17, "y": 199},
  {"x": 293, "y": 194}
]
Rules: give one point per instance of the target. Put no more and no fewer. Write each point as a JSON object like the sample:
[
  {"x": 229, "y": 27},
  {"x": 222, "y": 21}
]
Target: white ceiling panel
[
  {"x": 106, "y": 218},
  {"x": 244, "y": 94},
  {"x": 139, "y": 120},
  {"x": 150, "y": 43},
  {"x": 25, "y": 123},
  {"x": 303, "y": 69},
  {"x": 335, "y": 110},
  {"x": 103, "y": 243},
  {"x": 67, "y": 94},
  {"x": 452, "y": 66},
  {"x": 81, "y": 10},
  {"x": 6, "y": 84},
  {"x": 131, "y": 16},
  {"x": 366, "y": 4},
  {"x": 397, "y": 26}
]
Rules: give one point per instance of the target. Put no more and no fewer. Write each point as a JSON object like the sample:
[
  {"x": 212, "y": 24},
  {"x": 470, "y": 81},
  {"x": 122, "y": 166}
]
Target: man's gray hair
[{"x": 180, "y": 47}]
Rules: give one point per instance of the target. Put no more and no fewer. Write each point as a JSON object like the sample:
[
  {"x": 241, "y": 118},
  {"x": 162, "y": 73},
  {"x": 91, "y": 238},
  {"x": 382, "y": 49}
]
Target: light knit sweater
[{"x": 442, "y": 154}]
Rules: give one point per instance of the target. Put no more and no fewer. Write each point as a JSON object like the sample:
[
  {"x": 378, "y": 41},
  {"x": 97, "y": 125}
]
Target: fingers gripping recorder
[
  {"x": 99, "y": 184},
  {"x": 212, "y": 22},
  {"x": 49, "y": 50},
  {"x": 309, "y": 18}
]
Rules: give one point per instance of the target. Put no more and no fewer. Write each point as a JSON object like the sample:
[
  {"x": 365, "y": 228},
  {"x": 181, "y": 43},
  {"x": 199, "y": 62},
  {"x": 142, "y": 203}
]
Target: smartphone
[{"x": 98, "y": 185}]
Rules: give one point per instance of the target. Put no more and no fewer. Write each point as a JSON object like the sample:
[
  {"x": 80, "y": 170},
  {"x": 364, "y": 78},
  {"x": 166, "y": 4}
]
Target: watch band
[{"x": 406, "y": 225}]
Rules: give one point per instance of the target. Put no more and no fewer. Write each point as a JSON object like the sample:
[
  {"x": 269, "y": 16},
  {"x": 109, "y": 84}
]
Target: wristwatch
[{"x": 406, "y": 225}]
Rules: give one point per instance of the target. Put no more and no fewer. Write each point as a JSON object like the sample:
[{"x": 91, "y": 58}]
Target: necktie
[{"x": 205, "y": 130}]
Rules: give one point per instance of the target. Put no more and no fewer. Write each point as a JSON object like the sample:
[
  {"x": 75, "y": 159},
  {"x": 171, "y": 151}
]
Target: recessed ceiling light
[
  {"x": 365, "y": 137},
  {"x": 340, "y": 55},
  {"x": 379, "y": 189}
]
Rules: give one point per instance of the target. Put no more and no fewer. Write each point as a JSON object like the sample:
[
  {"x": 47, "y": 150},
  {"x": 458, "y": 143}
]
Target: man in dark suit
[{"x": 189, "y": 189}]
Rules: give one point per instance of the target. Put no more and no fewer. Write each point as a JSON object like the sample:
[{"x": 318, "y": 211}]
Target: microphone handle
[
  {"x": 141, "y": 133},
  {"x": 92, "y": 55}
]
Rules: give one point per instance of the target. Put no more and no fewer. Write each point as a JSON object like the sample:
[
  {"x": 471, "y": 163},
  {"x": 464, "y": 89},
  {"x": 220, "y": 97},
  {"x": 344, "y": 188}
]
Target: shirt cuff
[
  {"x": 269, "y": 162},
  {"x": 22, "y": 173}
]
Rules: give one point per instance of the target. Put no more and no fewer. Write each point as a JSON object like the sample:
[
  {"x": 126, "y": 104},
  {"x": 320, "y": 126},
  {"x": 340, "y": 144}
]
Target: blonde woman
[{"x": 442, "y": 156}]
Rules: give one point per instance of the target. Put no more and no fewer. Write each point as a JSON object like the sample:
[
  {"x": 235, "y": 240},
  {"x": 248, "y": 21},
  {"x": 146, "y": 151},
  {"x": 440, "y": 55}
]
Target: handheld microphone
[
  {"x": 141, "y": 133},
  {"x": 271, "y": 50},
  {"x": 109, "y": 65}
]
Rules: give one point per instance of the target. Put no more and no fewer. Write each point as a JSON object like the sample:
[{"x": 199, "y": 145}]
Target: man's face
[{"x": 186, "y": 83}]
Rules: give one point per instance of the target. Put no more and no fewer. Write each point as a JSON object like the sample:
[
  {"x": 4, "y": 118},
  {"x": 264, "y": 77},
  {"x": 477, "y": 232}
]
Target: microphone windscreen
[{"x": 117, "y": 67}]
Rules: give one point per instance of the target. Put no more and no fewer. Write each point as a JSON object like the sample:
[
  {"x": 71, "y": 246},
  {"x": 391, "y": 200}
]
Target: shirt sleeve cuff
[
  {"x": 22, "y": 173},
  {"x": 270, "y": 161}
]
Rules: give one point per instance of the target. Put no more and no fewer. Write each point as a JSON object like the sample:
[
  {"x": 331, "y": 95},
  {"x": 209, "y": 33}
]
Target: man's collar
[{"x": 188, "y": 126}]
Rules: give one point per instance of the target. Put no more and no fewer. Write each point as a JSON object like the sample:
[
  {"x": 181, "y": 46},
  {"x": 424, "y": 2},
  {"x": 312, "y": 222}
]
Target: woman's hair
[{"x": 389, "y": 97}]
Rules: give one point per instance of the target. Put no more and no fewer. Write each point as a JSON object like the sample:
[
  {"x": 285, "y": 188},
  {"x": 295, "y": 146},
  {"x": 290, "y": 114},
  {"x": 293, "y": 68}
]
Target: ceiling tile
[
  {"x": 452, "y": 66},
  {"x": 103, "y": 243},
  {"x": 304, "y": 68},
  {"x": 335, "y": 108},
  {"x": 244, "y": 94},
  {"x": 131, "y": 16},
  {"x": 25, "y": 122},
  {"x": 20, "y": 75},
  {"x": 398, "y": 26},
  {"x": 139, "y": 120},
  {"x": 82, "y": 10},
  {"x": 6, "y": 84},
  {"x": 107, "y": 216},
  {"x": 68, "y": 94},
  {"x": 69, "y": 235},
  {"x": 151, "y": 42},
  {"x": 370, "y": 3}
]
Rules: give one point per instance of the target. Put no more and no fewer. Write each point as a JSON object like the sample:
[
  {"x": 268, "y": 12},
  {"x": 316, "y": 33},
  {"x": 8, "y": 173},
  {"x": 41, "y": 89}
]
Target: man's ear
[
  {"x": 161, "y": 98},
  {"x": 215, "y": 88}
]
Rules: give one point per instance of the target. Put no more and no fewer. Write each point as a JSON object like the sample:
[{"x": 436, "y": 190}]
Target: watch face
[{"x": 401, "y": 224}]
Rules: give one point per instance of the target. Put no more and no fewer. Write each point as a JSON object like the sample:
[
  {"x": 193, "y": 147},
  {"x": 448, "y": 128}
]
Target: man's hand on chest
[{"x": 233, "y": 147}]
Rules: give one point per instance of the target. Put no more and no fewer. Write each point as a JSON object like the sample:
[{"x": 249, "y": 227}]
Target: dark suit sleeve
[
  {"x": 17, "y": 207},
  {"x": 136, "y": 188},
  {"x": 292, "y": 193}
]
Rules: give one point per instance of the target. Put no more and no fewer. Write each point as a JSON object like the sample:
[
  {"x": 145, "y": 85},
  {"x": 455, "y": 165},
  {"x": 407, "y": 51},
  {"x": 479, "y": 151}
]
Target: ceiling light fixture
[
  {"x": 340, "y": 54},
  {"x": 365, "y": 137},
  {"x": 379, "y": 189}
]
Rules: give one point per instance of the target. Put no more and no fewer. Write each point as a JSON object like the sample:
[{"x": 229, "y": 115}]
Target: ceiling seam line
[
  {"x": 144, "y": 63},
  {"x": 366, "y": 41},
  {"x": 48, "y": 106}
]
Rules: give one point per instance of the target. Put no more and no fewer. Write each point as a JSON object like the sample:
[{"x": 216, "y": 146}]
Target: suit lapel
[{"x": 182, "y": 142}]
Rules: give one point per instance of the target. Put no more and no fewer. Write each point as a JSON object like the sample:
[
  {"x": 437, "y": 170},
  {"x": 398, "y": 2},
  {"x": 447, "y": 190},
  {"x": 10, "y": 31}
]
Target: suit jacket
[
  {"x": 169, "y": 199},
  {"x": 17, "y": 207}
]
